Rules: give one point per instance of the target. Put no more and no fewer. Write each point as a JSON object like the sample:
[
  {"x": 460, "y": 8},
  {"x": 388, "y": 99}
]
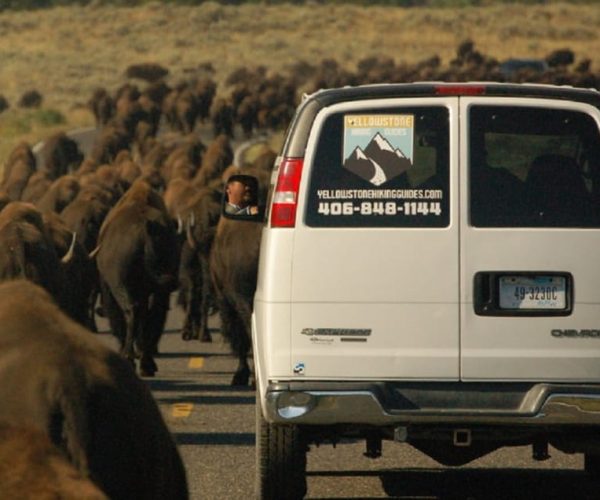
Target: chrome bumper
[{"x": 389, "y": 403}]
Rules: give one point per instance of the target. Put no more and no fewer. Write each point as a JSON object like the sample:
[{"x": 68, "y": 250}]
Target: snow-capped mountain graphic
[
  {"x": 359, "y": 164},
  {"x": 378, "y": 162}
]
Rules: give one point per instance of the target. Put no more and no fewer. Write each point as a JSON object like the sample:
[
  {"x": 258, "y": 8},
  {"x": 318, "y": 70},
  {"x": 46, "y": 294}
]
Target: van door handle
[{"x": 483, "y": 293}]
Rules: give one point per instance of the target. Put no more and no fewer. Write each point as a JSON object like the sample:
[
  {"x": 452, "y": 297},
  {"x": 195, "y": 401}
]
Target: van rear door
[
  {"x": 375, "y": 267},
  {"x": 530, "y": 234}
]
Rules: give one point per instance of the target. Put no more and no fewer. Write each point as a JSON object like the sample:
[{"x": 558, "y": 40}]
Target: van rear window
[
  {"x": 381, "y": 168},
  {"x": 533, "y": 167}
]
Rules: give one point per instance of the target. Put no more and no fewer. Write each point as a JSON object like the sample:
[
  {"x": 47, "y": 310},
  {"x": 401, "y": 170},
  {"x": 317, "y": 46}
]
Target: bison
[
  {"x": 233, "y": 265},
  {"x": 61, "y": 155},
  {"x": 66, "y": 384},
  {"x": 218, "y": 156},
  {"x": 222, "y": 115},
  {"x": 27, "y": 249},
  {"x": 84, "y": 217},
  {"x": 31, "y": 466},
  {"x": 59, "y": 194},
  {"x": 78, "y": 271},
  {"x": 201, "y": 215},
  {"x": 18, "y": 168},
  {"x": 137, "y": 259},
  {"x": 102, "y": 106},
  {"x": 233, "y": 269}
]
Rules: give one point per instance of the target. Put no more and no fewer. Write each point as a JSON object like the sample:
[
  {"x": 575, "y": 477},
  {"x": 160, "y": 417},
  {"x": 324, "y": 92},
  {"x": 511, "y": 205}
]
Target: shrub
[
  {"x": 49, "y": 117},
  {"x": 31, "y": 99},
  {"x": 149, "y": 72},
  {"x": 3, "y": 103}
]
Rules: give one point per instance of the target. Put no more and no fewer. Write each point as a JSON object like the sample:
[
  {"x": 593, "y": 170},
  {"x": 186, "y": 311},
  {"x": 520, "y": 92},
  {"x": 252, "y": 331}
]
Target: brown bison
[
  {"x": 31, "y": 466},
  {"x": 233, "y": 268},
  {"x": 233, "y": 264},
  {"x": 221, "y": 116},
  {"x": 218, "y": 156},
  {"x": 137, "y": 258},
  {"x": 86, "y": 213},
  {"x": 20, "y": 165},
  {"x": 181, "y": 108},
  {"x": 27, "y": 250},
  {"x": 200, "y": 215},
  {"x": 102, "y": 106},
  {"x": 61, "y": 155},
  {"x": 37, "y": 186},
  {"x": 110, "y": 141},
  {"x": 64, "y": 383},
  {"x": 59, "y": 194},
  {"x": 206, "y": 90},
  {"x": 78, "y": 271},
  {"x": 84, "y": 217}
]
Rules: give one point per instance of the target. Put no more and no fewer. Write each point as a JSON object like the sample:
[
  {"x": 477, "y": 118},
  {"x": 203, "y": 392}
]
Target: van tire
[
  {"x": 591, "y": 464},
  {"x": 280, "y": 460}
]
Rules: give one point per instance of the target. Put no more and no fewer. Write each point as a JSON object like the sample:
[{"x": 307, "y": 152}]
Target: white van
[{"x": 430, "y": 274}]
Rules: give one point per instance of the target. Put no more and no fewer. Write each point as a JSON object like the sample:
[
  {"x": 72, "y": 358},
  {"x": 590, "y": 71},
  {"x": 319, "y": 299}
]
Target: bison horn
[
  {"x": 69, "y": 255},
  {"x": 189, "y": 235},
  {"x": 94, "y": 252}
]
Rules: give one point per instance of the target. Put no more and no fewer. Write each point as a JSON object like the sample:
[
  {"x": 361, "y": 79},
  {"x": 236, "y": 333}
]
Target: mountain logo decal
[{"x": 378, "y": 148}]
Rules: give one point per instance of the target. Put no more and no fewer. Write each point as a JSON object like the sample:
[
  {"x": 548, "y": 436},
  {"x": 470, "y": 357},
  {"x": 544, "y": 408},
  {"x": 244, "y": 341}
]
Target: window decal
[
  {"x": 381, "y": 167},
  {"x": 378, "y": 148}
]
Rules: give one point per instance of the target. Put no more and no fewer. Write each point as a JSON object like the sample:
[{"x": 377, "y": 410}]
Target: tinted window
[
  {"x": 381, "y": 168},
  {"x": 533, "y": 167}
]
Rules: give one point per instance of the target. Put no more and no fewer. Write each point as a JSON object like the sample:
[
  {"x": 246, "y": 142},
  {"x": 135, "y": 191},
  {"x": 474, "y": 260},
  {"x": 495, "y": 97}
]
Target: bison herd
[{"x": 116, "y": 231}]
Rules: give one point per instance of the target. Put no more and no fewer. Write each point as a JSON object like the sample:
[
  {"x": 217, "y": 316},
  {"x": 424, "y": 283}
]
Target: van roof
[
  {"x": 433, "y": 88},
  {"x": 313, "y": 103}
]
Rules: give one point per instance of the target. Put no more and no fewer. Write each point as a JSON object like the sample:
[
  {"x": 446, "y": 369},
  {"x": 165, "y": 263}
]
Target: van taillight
[{"x": 285, "y": 198}]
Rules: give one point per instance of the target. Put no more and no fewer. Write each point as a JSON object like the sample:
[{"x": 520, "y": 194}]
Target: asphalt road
[{"x": 213, "y": 424}]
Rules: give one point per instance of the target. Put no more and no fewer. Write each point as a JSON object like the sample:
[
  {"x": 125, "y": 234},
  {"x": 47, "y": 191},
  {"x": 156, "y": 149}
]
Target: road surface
[{"x": 213, "y": 424}]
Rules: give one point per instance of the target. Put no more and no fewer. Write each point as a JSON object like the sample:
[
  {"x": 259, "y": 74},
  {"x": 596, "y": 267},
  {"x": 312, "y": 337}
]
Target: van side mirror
[{"x": 240, "y": 199}]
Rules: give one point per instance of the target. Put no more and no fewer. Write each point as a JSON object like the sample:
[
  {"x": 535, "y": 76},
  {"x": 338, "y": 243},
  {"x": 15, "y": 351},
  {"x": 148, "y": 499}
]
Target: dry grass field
[{"x": 65, "y": 53}]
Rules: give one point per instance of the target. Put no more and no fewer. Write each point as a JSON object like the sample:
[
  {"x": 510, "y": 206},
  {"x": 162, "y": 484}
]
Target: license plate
[{"x": 533, "y": 292}]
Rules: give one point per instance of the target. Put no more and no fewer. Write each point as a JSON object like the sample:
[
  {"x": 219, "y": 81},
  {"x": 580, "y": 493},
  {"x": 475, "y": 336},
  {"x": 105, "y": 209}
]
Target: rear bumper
[{"x": 392, "y": 403}]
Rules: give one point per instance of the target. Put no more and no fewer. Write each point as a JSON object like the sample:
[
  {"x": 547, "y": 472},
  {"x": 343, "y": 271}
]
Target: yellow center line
[
  {"x": 182, "y": 410},
  {"x": 197, "y": 362}
]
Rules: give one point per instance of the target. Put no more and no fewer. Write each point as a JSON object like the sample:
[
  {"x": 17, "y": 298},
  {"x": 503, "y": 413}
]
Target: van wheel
[
  {"x": 280, "y": 460},
  {"x": 592, "y": 465}
]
